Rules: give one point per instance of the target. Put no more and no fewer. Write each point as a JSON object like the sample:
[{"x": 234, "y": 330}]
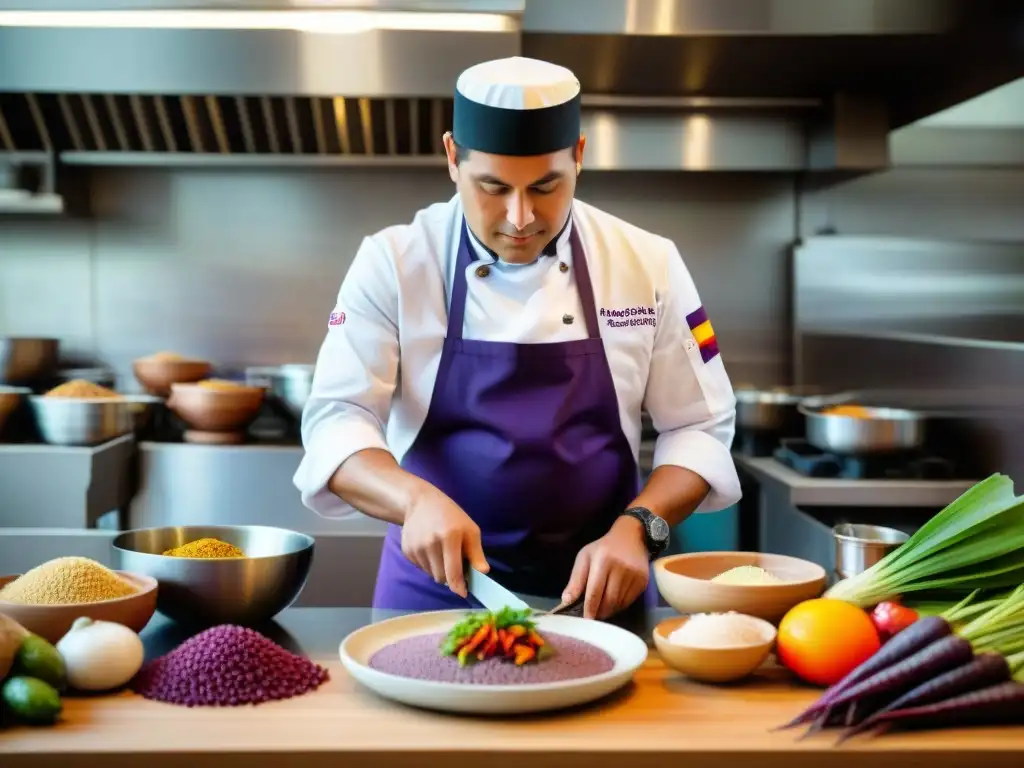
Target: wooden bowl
[
  {"x": 216, "y": 410},
  {"x": 51, "y": 622},
  {"x": 157, "y": 375},
  {"x": 712, "y": 665},
  {"x": 685, "y": 583}
]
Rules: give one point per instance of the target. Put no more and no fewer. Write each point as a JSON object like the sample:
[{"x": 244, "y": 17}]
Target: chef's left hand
[{"x": 613, "y": 570}]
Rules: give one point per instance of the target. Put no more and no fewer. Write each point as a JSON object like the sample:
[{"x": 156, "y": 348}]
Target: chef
[{"x": 482, "y": 378}]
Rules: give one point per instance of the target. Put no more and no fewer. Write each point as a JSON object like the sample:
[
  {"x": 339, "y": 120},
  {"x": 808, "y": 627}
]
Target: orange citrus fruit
[{"x": 822, "y": 640}]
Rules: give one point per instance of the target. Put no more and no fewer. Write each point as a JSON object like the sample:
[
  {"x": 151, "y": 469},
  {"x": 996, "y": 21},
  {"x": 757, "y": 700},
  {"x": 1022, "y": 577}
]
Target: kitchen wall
[{"x": 243, "y": 266}]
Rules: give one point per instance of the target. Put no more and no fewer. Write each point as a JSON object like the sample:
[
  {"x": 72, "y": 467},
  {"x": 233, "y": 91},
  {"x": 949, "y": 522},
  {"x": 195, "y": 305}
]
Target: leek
[{"x": 976, "y": 542}]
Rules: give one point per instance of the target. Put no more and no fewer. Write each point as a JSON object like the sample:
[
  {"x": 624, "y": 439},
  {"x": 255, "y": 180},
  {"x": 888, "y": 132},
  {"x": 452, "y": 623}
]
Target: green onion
[{"x": 976, "y": 542}]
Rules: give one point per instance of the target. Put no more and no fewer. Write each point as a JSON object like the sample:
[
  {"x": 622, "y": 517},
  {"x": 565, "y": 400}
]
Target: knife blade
[
  {"x": 490, "y": 593},
  {"x": 494, "y": 597}
]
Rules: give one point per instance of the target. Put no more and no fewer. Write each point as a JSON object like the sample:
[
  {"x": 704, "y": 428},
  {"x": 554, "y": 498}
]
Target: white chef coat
[{"x": 376, "y": 368}]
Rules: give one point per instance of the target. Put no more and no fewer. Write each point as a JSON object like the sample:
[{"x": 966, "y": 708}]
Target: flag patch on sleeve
[
  {"x": 336, "y": 318},
  {"x": 704, "y": 334}
]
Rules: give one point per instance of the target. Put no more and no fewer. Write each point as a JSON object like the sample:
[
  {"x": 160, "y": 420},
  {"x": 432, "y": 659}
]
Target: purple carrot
[
  {"x": 1001, "y": 704},
  {"x": 932, "y": 660},
  {"x": 985, "y": 670},
  {"x": 918, "y": 635}
]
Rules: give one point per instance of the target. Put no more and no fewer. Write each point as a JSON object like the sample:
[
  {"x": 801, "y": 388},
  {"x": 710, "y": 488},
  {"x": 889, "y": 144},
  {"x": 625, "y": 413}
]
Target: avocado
[
  {"x": 39, "y": 659},
  {"x": 31, "y": 700}
]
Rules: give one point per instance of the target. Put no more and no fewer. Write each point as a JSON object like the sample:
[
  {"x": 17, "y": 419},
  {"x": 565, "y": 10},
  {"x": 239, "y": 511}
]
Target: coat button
[
  {"x": 483, "y": 270},
  {"x": 563, "y": 267},
  {"x": 567, "y": 319}
]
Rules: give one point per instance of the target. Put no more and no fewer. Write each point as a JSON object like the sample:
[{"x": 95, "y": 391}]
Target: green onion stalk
[{"x": 975, "y": 543}]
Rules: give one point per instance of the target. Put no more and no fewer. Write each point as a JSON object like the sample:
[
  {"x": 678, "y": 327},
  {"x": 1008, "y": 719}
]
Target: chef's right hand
[{"x": 438, "y": 536}]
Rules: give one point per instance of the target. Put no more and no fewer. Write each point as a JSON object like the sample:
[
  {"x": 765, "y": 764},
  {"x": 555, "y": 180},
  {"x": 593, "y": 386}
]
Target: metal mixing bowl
[
  {"x": 290, "y": 384},
  {"x": 23, "y": 359},
  {"x": 89, "y": 421},
  {"x": 247, "y": 591}
]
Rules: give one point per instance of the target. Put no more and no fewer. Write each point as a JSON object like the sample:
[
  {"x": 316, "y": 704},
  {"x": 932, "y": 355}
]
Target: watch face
[{"x": 658, "y": 528}]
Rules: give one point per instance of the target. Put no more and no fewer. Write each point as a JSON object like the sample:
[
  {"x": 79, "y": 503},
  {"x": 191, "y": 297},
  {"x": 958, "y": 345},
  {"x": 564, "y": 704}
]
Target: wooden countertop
[{"x": 661, "y": 719}]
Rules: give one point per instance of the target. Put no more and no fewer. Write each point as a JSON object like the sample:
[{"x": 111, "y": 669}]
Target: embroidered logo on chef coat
[
  {"x": 704, "y": 334},
  {"x": 629, "y": 317},
  {"x": 336, "y": 318}
]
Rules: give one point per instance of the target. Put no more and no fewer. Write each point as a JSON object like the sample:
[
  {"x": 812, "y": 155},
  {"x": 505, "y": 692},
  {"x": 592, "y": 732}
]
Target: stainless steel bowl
[
  {"x": 10, "y": 399},
  {"x": 883, "y": 430},
  {"x": 858, "y": 547},
  {"x": 23, "y": 359},
  {"x": 291, "y": 384},
  {"x": 89, "y": 421},
  {"x": 248, "y": 590}
]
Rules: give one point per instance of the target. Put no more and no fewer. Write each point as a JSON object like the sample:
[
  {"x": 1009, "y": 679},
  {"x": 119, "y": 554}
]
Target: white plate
[{"x": 627, "y": 650}]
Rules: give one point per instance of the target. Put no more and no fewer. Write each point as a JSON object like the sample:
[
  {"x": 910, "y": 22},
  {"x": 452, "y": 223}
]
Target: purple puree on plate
[{"x": 420, "y": 657}]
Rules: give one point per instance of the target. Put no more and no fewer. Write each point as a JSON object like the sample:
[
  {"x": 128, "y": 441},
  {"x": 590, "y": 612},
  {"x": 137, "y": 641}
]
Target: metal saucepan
[
  {"x": 24, "y": 360},
  {"x": 768, "y": 409},
  {"x": 858, "y": 547},
  {"x": 876, "y": 430},
  {"x": 290, "y": 384}
]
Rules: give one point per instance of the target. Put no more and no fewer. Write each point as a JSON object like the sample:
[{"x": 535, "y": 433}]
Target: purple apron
[{"x": 527, "y": 439}]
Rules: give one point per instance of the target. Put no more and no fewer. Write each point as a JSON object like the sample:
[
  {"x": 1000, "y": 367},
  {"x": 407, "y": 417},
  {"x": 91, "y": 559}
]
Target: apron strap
[{"x": 465, "y": 257}]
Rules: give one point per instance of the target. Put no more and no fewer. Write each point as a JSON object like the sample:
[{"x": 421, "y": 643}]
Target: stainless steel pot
[
  {"x": 881, "y": 430},
  {"x": 290, "y": 384},
  {"x": 83, "y": 421},
  {"x": 23, "y": 360},
  {"x": 769, "y": 410},
  {"x": 858, "y": 547}
]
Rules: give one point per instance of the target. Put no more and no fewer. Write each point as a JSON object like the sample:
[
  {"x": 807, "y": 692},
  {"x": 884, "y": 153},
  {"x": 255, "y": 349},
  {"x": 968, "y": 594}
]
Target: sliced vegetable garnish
[
  {"x": 508, "y": 634},
  {"x": 975, "y": 542}
]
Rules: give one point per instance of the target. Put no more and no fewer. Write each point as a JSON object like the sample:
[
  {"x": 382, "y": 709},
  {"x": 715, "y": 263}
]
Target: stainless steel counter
[{"x": 803, "y": 491}]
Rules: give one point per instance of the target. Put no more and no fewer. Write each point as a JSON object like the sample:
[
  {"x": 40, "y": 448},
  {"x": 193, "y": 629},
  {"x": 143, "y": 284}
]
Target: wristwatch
[{"x": 656, "y": 530}]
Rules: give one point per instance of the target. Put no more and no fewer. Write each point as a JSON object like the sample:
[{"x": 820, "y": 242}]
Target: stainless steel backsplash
[{"x": 243, "y": 267}]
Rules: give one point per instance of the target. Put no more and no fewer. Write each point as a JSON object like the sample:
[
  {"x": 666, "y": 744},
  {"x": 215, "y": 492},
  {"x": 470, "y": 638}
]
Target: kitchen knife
[{"x": 494, "y": 597}]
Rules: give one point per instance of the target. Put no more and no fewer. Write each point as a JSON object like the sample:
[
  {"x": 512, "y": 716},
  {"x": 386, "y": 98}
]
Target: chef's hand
[
  {"x": 437, "y": 535},
  {"x": 613, "y": 571}
]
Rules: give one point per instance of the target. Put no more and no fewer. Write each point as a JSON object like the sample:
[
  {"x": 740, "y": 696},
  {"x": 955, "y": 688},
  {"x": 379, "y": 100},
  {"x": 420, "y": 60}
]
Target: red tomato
[
  {"x": 823, "y": 640},
  {"x": 891, "y": 618}
]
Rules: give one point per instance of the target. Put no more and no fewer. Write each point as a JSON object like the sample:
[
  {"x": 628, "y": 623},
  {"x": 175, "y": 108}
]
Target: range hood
[{"x": 702, "y": 85}]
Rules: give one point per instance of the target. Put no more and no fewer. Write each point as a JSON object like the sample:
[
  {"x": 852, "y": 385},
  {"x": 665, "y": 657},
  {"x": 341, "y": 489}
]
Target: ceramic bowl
[
  {"x": 51, "y": 622},
  {"x": 157, "y": 374},
  {"x": 216, "y": 410},
  {"x": 685, "y": 583},
  {"x": 713, "y": 665}
]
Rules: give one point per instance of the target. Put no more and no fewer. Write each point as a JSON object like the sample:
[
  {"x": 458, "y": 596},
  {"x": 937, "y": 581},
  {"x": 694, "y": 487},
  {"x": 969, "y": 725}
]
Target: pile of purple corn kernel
[{"x": 227, "y": 666}]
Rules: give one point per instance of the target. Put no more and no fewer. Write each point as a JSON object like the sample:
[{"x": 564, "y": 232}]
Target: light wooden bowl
[
  {"x": 157, "y": 375},
  {"x": 685, "y": 583},
  {"x": 51, "y": 622},
  {"x": 216, "y": 410},
  {"x": 712, "y": 665}
]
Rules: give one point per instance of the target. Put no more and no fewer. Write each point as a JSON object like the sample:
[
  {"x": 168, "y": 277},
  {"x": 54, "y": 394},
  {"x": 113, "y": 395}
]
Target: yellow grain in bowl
[
  {"x": 221, "y": 385},
  {"x": 67, "y": 580},
  {"x": 209, "y": 549},
  {"x": 81, "y": 389}
]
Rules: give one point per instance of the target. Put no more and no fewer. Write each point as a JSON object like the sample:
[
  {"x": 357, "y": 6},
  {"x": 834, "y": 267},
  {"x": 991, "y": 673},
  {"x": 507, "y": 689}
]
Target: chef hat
[{"x": 517, "y": 106}]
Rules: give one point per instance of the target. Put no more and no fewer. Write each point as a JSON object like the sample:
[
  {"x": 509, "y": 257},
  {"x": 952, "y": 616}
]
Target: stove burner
[
  {"x": 755, "y": 444},
  {"x": 802, "y": 457}
]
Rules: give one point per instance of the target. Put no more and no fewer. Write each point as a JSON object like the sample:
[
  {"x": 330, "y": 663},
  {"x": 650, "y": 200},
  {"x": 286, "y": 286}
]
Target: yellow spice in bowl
[
  {"x": 81, "y": 389},
  {"x": 207, "y": 549},
  {"x": 220, "y": 385},
  {"x": 67, "y": 580}
]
